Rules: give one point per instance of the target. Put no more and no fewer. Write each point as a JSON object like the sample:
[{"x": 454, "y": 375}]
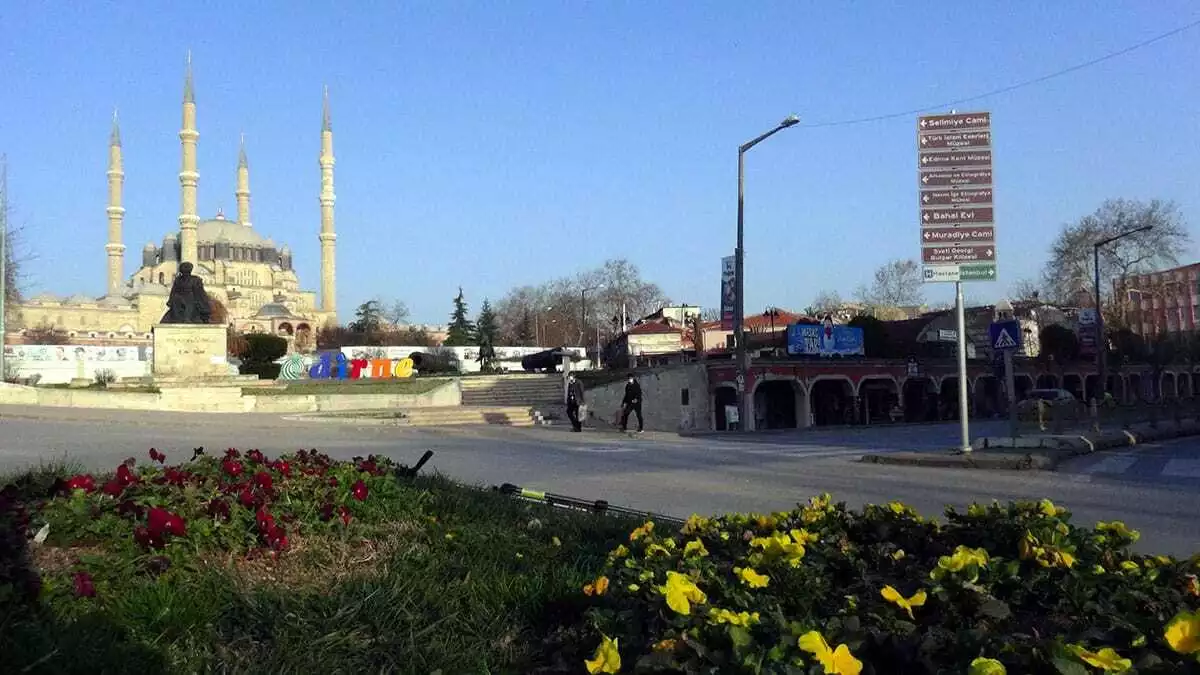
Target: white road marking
[
  {"x": 1115, "y": 464},
  {"x": 1184, "y": 468}
]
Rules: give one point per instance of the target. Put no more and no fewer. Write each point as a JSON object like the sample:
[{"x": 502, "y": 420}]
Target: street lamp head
[
  {"x": 1004, "y": 306},
  {"x": 789, "y": 121}
]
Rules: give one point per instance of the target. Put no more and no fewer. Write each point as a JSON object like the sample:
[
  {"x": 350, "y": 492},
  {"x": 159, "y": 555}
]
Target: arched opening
[
  {"x": 724, "y": 396},
  {"x": 1183, "y": 383},
  {"x": 1168, "y": 385},
  {"x": 776, "y": 405},
  {"x": 162, "y": 280},
  {"x": 988, "y": 399},
  {"x": 1117, "y": 387},
  {"x": 1047, "y": 381},
  {"x": 285, "y": 328},
  {"x": 1022, "y": 383},
  {"x": 1089, "y": 388},
  {"x": 948, "y": 399},
  {"x": 1195, "y": 378},
  {"x": 1135, "y": 391},
  {"x": 1073, "y": 383},
  {"x": 880, "y": 400},
  {"x": 920, "y": 399},
  {"x": 832, "y": 402}
]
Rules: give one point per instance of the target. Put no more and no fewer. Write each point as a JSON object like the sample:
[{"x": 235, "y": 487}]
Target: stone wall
[{"x": 664, "y": 391}]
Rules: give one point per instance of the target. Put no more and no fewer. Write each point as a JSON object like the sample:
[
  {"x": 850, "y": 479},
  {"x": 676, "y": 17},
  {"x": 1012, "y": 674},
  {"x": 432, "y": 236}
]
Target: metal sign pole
[
  {"x": 1010, "y": 380},
  {"x": 963, "y": 410}
]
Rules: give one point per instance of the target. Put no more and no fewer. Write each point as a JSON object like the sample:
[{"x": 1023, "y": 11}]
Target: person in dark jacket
[
  {"x": 631, "y": 403},
  {"x": 574, "y": 400}
]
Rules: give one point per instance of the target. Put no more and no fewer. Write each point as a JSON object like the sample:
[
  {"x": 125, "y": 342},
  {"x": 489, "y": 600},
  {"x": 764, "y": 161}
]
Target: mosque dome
[
  {"x": 274, "y": 310},
  {"x": 228, "y": 231}
]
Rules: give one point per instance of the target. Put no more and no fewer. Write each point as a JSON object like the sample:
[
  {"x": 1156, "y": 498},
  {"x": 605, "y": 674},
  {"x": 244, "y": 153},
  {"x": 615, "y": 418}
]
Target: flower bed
[
  {"x": 233, "y": 561},
  {"x": 823, "y": 589}
]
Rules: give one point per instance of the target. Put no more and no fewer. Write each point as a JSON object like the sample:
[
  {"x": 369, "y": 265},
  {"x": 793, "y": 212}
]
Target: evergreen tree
[
  {"x": 462, "y": 331},
  {"x": 368, "y": 317},
  {"x": 486, "y": 326}
]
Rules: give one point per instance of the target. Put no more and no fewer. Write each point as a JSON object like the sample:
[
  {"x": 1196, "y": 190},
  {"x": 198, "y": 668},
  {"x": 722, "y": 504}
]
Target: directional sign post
[
  {"x": 1005, "y": 337},
  {"x": 956, "y": 215}
]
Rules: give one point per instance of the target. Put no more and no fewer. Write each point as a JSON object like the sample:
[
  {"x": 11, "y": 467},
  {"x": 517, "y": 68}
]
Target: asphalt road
[{"x": 654, "y": 472}]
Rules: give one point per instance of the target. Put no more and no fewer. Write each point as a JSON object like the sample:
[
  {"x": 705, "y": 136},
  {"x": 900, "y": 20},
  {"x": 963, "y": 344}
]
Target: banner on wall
[
  {"x": 824, "y": 339},
  {"x": 728, "y": 291},
  {"x": 71, "y": 353}
]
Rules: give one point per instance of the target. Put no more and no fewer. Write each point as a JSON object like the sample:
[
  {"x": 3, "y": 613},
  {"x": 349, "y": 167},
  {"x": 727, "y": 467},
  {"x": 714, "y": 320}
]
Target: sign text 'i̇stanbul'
[{"x": 958, "y": 221}]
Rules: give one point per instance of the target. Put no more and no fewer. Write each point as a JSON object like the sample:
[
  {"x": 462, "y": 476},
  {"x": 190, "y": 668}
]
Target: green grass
[
  {"x": 410, "y": 386},
  {"x": 100, "y": 387},
  {"x": 434, "y": 576}
]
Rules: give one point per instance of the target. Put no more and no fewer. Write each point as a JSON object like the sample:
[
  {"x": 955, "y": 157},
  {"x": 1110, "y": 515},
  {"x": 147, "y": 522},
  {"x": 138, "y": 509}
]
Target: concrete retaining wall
[
  {"x": 663, "y": 393},
  {"x": 224, "y": 399}
]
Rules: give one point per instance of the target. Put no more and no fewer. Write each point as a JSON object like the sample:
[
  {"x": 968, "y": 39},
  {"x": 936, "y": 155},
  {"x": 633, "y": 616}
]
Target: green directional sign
[{"x": 984, "y": 272}]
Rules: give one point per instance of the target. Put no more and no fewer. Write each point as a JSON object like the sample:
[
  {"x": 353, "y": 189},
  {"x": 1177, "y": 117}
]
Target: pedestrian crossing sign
[{"x": 1005, "y": 336}]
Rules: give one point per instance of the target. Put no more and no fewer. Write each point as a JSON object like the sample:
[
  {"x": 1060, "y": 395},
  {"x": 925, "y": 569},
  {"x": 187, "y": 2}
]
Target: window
[
  {"x": 161, "y": 279},
  {"x": 684, "y": 396}
]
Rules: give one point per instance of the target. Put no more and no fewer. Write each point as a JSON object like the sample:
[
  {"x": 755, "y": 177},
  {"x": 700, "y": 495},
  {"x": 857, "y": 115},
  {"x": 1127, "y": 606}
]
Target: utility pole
[{"x": 4, "y": 243}]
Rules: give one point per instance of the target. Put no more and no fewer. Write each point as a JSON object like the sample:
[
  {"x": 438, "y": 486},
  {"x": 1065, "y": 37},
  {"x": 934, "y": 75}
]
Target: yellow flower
[
  {"x": 1098, "y": 569},
  {"x": 1106, "y": 659},
  {"x": 633, "y": 588},
  {"x": 893, "y": 596},
  {"x": 898, "y": 555},
  {"x": 803, "y": 536},
  {"x": 695, "y": 523},
  {"x": 646, "y": 575},
  {"x": 695, "y": 547},
  {"x": 724, "y": 536},
  {"x": 780, "y": 545},
  {"x": 642, "y": 531},
  {"x": 1119, "y": 529},
  {"x": 1129, "y": 566},
  {"x": 1048, "y": 508},
  {"x": 597, "y": 587},
  {"x": 765, "y": 521},
  {"x": 982, "y": 666},
  {"x": 1183, "y": 632},
  {"x": 556, "y": 541},
  {"x": 680, "y": 591},
  {"x": 751, "y": 578},
  {"x": 963, "y": 559},
  {"x": 606, "y": 659},
  {"x": 1139, "y": 641},
  {"x": 835, "y": 661},
  {"x": 667, "y": 645},
  {"x": 620, "y": 551},
  {"x": 743, "y": 619},
  {"x": 656, "y": 549},
  {"x": 975, "y": 511}
]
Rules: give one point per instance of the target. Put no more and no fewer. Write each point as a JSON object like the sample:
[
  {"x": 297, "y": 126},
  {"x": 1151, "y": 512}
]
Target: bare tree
[
  {"x": 8, "y": 233},
  {"x": 395, "y": 313},
  {"x": 1070, "y": 267},
  {"x": 897, "y": 284},
  {"x": 710, "y": 314},
  {"x": 1025, "y": 290},
  {"x": 826, "y": 302}
]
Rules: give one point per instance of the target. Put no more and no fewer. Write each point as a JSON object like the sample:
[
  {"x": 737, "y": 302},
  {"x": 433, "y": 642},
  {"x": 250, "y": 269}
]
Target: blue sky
[{"x": 506, "y": 143}]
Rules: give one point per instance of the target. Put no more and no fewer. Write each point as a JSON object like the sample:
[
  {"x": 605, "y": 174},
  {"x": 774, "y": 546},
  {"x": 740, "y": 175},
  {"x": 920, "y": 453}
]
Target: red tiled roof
[{"x": 654, "y": 328}]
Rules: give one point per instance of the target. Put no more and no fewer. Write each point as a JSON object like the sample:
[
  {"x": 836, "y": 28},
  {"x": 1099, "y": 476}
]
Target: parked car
[{"x": 1059, "y": 399}]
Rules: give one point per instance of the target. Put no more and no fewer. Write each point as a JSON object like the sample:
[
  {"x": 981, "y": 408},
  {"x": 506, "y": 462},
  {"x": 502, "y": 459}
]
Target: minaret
[
  {"x": 188, "y": 176},
  {"x": 116, "y": 213},
  {"x": 327, "y": 237},
  {"x": 243, "y": 185}
]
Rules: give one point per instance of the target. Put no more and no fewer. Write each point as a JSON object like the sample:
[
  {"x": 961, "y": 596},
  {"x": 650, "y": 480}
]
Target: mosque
[{"x": 247, "y": 272}]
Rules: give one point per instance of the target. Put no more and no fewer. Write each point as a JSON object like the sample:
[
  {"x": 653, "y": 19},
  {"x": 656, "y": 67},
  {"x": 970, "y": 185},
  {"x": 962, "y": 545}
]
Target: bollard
[
  {"x": 1095, "y": 411},
  {"x": 1041, "y": 414}
]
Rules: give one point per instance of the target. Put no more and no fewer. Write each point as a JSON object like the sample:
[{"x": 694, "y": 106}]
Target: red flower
[
  {"x": 231, "y": 467},
  {"x": 83, "y": 482},
  {"x": 161, "y": 521},
  {"x": 264, "y": 520},
  {"x": 262, "y": 480},
  {"x": 125, "y": 476},
  {"x": 129, "y": 509},
  {"x": 147, "y": 539},
  {"x": 333, "y": 481},
  {"x": 345, "y": 513},
  {"x": 232, "y": 453},
  {"x": 156, "y": 456},
  {"x": 83, "y": 585},
  {"x": 255, "y": 457},
  {"x": 277, "y": 538},
  {"x": 359, "y": 491},
  {"x": 176, "y": 477},
  {"x": 219, "y": 509},
  {"x": 283, "y": 468},
  {"x": 113, "y": 488},
  {"x": 247, "y": 498}
]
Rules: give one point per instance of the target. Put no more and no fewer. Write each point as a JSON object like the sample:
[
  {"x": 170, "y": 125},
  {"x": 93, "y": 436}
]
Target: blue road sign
[{"x": 1005, "y": 335}]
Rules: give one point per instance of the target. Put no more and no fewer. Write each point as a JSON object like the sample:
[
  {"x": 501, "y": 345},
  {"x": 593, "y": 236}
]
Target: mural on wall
[{"x": 70, "y": 353}]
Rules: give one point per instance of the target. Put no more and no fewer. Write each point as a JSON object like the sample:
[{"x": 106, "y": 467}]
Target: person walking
[
  {"x": 631, "y": 403},
  {"x": 574, "y": 401}
]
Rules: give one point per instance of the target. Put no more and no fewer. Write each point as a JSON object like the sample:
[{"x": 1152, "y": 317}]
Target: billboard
[
  {"x": 825, "y": 339},
  {"x": 728, "y": 291},
  {"x": 1086, "y": 330}
]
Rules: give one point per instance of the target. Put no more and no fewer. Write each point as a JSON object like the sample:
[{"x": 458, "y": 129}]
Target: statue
[{"x": 188, "y": 302}]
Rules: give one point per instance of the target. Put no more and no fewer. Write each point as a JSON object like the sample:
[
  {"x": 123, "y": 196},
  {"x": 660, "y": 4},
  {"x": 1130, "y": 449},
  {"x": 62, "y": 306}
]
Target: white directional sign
[{"x": 957, "y": 219}]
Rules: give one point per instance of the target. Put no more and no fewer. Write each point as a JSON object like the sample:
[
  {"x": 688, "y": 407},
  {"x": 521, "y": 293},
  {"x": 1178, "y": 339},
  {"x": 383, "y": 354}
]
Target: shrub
[
  {"x": 105, "y": 376},
  {"x": 262, "y": 350},
  {"x": 823, "y": 589}
]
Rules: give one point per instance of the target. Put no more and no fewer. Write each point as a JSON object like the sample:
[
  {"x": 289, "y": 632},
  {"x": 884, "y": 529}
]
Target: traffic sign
[
  {"x": 955, "y": 198},
  {"x": 1005, "y": 335}
]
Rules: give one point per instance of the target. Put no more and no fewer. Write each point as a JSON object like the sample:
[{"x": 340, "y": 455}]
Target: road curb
[{"x": 1038, "y": 453}]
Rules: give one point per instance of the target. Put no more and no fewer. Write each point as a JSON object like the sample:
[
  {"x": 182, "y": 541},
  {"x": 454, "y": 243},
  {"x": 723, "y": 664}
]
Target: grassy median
[{"x": 409, "y": 386}]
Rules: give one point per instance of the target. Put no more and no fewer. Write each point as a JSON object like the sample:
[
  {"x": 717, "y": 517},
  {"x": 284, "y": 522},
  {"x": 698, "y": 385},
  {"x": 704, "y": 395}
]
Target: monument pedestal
[{"x": 189, "y": 351}]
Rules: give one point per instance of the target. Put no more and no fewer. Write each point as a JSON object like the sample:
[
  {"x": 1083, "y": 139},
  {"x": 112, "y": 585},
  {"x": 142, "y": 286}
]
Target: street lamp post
[
  {"x": 583, "y": 319},
  {"x": 1101, "y": 342},
  {"x": 739, "y": 305}
]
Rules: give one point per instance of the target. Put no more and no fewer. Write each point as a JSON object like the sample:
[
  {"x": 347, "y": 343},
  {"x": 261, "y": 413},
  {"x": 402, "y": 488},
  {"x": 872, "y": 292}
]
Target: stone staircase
[
  {"x": 532, "y": 390},
  {"x": 508, "y": 416}
]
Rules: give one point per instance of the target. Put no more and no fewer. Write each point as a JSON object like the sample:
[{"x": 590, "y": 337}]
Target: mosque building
[{"x": 248, "y": 273}]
